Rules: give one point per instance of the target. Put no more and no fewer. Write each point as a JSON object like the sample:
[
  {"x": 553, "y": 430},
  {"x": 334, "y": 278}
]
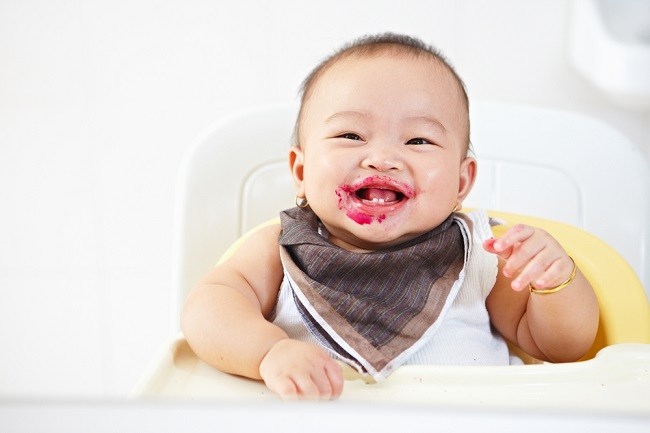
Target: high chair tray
[{"x": 617, "y": 380}]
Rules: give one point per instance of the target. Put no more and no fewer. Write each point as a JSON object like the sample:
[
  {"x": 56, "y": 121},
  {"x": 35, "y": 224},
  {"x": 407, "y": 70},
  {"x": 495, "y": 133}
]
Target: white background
[{"x": 98, "y": 101}]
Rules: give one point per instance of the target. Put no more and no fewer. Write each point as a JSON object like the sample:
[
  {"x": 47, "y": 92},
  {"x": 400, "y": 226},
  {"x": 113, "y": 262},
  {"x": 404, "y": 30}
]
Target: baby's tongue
[{"x": 386, "y": 195}]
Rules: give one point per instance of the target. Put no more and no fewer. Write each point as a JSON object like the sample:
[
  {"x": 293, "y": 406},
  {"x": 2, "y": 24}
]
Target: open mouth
[
  {"x": 379, "y": 196},
  {"x": 373, "y": 198}
]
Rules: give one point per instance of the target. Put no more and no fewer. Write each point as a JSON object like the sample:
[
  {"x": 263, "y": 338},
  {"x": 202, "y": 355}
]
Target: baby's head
[
  {"x": 382, "y": 139},
  {"x": 383, "y": 44}
]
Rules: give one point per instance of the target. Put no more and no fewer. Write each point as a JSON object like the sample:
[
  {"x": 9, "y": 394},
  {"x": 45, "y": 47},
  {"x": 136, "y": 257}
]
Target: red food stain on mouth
[
  {"x": 370, "y": 199},
  {"x": 361, "y": 218}
]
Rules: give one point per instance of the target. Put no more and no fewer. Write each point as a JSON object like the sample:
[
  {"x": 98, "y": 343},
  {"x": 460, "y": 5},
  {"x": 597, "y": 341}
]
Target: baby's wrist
[{"x": 269, "y": 349}]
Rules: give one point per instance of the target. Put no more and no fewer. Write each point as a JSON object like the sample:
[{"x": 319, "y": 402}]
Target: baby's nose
[
  {"x": 382, "y": 161},
  {"x": 383, "y": 165}
]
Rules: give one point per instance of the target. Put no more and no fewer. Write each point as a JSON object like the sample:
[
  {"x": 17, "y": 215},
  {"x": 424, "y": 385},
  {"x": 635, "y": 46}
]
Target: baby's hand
[
  {"x": 531, "y": 256},
  {"x": 296, "y": 369}
]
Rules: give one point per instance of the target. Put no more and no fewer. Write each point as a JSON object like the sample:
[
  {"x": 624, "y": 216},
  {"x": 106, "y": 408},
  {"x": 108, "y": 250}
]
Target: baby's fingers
[
  {"x": 531, "y": 256},
  {"x": 509, "y": 243},
  {"x": 295, "y": 387},
  {"x": 515, "y": 235},
  {"x": 334, "y": 374},
  {"x": 295, "y": 369},
  {"x": 312, "y": 387},
  {"x": 559, "y": 272},
  {"x": 324, "y": 384},
  {"x": 527, "y": 269}
]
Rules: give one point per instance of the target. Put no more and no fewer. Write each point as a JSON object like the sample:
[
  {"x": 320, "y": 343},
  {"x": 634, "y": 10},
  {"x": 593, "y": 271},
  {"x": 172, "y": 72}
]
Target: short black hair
[{"x": 373, "y": 44}]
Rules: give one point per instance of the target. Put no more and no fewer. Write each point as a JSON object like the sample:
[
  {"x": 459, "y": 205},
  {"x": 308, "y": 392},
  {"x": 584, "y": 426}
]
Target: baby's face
[{"x": 383, "y": 149}]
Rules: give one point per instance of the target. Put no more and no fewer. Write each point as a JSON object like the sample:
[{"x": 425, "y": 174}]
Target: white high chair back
[{"x": 552, "y": 164}]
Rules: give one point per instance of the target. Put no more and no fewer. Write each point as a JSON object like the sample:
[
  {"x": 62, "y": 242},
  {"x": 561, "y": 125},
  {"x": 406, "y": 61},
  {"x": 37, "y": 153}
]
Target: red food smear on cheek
[{"x": 339, "y": 194}]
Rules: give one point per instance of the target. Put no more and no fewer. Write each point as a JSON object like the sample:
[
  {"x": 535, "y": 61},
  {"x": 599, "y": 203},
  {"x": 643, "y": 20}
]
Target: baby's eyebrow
[
  {"x": 431, "y": 122},
  {"x": 344, "y": 114}
]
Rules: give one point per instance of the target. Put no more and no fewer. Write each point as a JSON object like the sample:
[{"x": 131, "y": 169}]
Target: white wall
[{"x": 98, "y": 101}]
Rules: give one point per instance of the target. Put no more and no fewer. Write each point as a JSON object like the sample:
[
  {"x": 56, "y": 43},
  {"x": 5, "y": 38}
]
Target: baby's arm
[
  {"x": 559, "y": 326},
  {"x": 224, "y": 321}
]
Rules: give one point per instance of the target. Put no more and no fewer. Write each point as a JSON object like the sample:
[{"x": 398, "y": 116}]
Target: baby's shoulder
[
  {"x": 262, "y": 239},
  {"x": 480, "y": 223}
]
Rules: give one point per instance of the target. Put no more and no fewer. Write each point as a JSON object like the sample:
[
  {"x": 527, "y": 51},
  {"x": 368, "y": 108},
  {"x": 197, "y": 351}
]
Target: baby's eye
[
  {"x": 417, "y": 141},
  {"x": 350, "y": 136}
]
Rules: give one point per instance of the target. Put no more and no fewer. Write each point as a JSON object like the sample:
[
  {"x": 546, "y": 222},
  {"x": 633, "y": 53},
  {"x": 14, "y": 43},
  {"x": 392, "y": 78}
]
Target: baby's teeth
[{"x": 378, "y": 200}]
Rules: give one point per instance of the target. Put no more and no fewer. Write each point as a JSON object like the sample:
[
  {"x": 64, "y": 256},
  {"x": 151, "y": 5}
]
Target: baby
[{"x": 376, "y": 266}]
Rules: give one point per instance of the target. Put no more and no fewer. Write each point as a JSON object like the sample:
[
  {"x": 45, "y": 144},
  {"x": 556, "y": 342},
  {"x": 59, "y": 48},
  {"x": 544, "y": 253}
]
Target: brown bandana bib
[{"x": 373, "y": 309}]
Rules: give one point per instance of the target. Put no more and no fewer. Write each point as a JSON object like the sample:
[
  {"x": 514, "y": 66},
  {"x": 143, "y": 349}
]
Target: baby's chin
[{"x": 371, "y": 237}]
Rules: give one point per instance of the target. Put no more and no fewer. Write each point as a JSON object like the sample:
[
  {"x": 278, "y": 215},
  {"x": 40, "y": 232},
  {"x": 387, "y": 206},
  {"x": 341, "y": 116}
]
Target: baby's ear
[
  {"x": 296, "y": 165},
  {"x": 467, "y": 177}
]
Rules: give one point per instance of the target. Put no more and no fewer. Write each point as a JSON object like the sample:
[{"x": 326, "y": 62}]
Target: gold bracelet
[{"x": 533, "y": 289}]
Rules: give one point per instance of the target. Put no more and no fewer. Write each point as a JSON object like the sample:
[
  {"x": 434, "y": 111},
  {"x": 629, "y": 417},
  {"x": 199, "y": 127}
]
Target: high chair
[{"x": 574, "y": 176}]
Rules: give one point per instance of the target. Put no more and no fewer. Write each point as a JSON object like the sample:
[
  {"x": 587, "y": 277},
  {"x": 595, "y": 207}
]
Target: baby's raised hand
[
  {"x": 296, "y": 369},
  {"x": 531, "y": 256}
]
